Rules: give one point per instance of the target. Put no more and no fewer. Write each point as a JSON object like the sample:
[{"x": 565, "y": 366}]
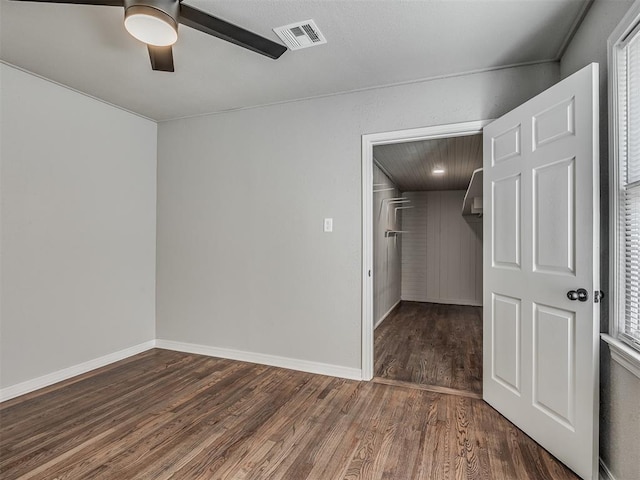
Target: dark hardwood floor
[
  {"x": 431, "y": 344},
  {"x": 168, "y": 415}
]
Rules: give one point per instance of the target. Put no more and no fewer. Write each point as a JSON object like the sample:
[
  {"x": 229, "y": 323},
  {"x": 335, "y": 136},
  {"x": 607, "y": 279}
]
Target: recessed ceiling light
[{"x": 438, "y": 171}]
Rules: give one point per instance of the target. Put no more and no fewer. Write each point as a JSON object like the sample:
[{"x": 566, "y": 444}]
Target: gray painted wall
[
  {"x": 386, "y": 250},
  {"x": 77, "y": 191},
  {"x": 442, "y": 256},
  {"x": 243, "y": 262},
  {"x": 619, "y": 390}
]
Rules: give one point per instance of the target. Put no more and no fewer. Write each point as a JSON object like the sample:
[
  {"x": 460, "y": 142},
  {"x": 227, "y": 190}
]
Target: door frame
[{"x": 368, "y": 142}]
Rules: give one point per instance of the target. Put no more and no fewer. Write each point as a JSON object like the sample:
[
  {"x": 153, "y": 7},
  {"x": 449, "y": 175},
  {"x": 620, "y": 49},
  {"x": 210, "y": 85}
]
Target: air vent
[{"x": 300, "y": 35}]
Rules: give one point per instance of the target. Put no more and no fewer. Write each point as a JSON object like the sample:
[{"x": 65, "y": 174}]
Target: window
[
  {"x": 624, "y": 78},
  {"x": 628, "y": 145}
]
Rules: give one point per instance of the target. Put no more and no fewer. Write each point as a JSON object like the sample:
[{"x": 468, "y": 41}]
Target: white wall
[
  {"x": 386, "y": 250},
  {"x": 77, "y": 191},
  {"x": 442, "y": 256},
  {"x": 619, "y": 390},
  {"x": 243, "y": 262},
  {"x": 414, "y": 249}
]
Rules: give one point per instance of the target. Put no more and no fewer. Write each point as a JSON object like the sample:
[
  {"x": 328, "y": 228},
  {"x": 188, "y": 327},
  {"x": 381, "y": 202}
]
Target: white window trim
[{"x": 622, "y": 353}]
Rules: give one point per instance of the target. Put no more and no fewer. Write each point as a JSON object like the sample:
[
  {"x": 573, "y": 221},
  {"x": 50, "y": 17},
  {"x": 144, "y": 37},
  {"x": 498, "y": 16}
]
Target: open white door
[{"x": 541, "y": 246}]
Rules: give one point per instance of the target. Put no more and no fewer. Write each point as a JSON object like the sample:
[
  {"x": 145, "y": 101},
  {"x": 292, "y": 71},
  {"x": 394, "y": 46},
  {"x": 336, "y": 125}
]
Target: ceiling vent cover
[{"x": 300, "y": 35}]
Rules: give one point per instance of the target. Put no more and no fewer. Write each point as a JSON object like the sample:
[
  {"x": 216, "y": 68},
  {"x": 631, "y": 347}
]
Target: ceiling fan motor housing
[{"x": 167, "y": 11}]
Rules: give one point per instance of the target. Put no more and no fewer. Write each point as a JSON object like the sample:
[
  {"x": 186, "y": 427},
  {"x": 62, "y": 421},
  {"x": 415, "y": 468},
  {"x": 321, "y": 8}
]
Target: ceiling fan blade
[
  {"x": 109, "y": 3},
  {"x": 194, "y": 18},
  {"x": 161, "y": 58}
]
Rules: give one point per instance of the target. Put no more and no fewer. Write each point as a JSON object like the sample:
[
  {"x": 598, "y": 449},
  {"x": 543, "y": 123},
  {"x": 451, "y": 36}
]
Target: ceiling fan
[{"x": 155, "y": 22}]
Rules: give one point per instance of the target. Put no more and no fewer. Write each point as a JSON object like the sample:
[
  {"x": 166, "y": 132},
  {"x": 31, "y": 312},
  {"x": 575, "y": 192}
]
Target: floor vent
[{"x": 300, "y": 35}]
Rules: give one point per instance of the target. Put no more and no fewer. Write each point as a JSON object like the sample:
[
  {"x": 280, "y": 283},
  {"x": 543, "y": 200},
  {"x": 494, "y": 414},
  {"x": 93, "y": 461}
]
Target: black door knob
[{"x": 580, "y": 294}]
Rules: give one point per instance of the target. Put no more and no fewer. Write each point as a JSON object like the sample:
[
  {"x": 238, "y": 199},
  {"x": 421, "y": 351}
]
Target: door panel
[
  {"x": 506, "y": 342},
  {"x": 554, "y": 363},
  {"x": 553, "y": 213},
  {"x": 554, "y": 123},
  {"x": 505, "y": 145},
  {"x": 541, "y": 241},
  {"x": 506, "y": 225}
]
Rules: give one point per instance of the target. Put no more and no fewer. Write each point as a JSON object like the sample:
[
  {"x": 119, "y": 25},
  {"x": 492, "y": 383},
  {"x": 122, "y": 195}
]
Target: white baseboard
[
  {"x": 470, "y": 303},
  {"x": 384, "y": 317},
  {"x": 13, "y": 391},
  {"x": 29, "y": 386},
  {"x": 263, "y": 359},
  {"x": 605, "y": 473}
]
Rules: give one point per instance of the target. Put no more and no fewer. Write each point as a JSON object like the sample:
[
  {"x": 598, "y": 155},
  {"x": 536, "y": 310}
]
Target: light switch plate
[{"x": 328, "y": 224}]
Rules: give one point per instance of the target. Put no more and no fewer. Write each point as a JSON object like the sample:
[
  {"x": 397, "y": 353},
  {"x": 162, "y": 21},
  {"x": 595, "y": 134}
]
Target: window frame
[{"x": 621, "y": 351}]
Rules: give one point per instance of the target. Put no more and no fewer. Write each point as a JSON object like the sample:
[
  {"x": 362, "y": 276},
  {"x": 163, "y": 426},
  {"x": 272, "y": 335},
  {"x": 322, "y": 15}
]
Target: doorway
[
  {"x": 390, "y": 215},
  {"x": 427, "y": 264}
]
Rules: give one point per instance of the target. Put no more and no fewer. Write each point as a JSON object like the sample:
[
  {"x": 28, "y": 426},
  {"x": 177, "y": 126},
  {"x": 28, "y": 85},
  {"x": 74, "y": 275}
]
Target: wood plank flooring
[
  {"x": 431, "y": 344},
  {"x": 167, "y": 415}
]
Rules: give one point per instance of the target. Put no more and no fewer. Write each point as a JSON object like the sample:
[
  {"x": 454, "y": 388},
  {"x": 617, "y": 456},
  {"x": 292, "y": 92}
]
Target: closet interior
[{"x": 427, "y": 275}]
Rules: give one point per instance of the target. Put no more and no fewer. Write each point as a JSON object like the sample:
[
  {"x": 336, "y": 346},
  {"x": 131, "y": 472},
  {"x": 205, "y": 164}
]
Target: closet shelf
[{"x": 472, "y": 204}]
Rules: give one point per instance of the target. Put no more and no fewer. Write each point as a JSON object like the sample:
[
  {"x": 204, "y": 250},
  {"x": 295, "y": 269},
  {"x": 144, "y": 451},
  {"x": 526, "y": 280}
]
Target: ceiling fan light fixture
[{"x": 151, "y": 25}]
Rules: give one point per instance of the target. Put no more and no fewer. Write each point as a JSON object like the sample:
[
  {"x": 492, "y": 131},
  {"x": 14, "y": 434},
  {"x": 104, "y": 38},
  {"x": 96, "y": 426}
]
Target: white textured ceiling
[
  {"x": 370, "y": 43},
  {"x": 410, "y": 165}
]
